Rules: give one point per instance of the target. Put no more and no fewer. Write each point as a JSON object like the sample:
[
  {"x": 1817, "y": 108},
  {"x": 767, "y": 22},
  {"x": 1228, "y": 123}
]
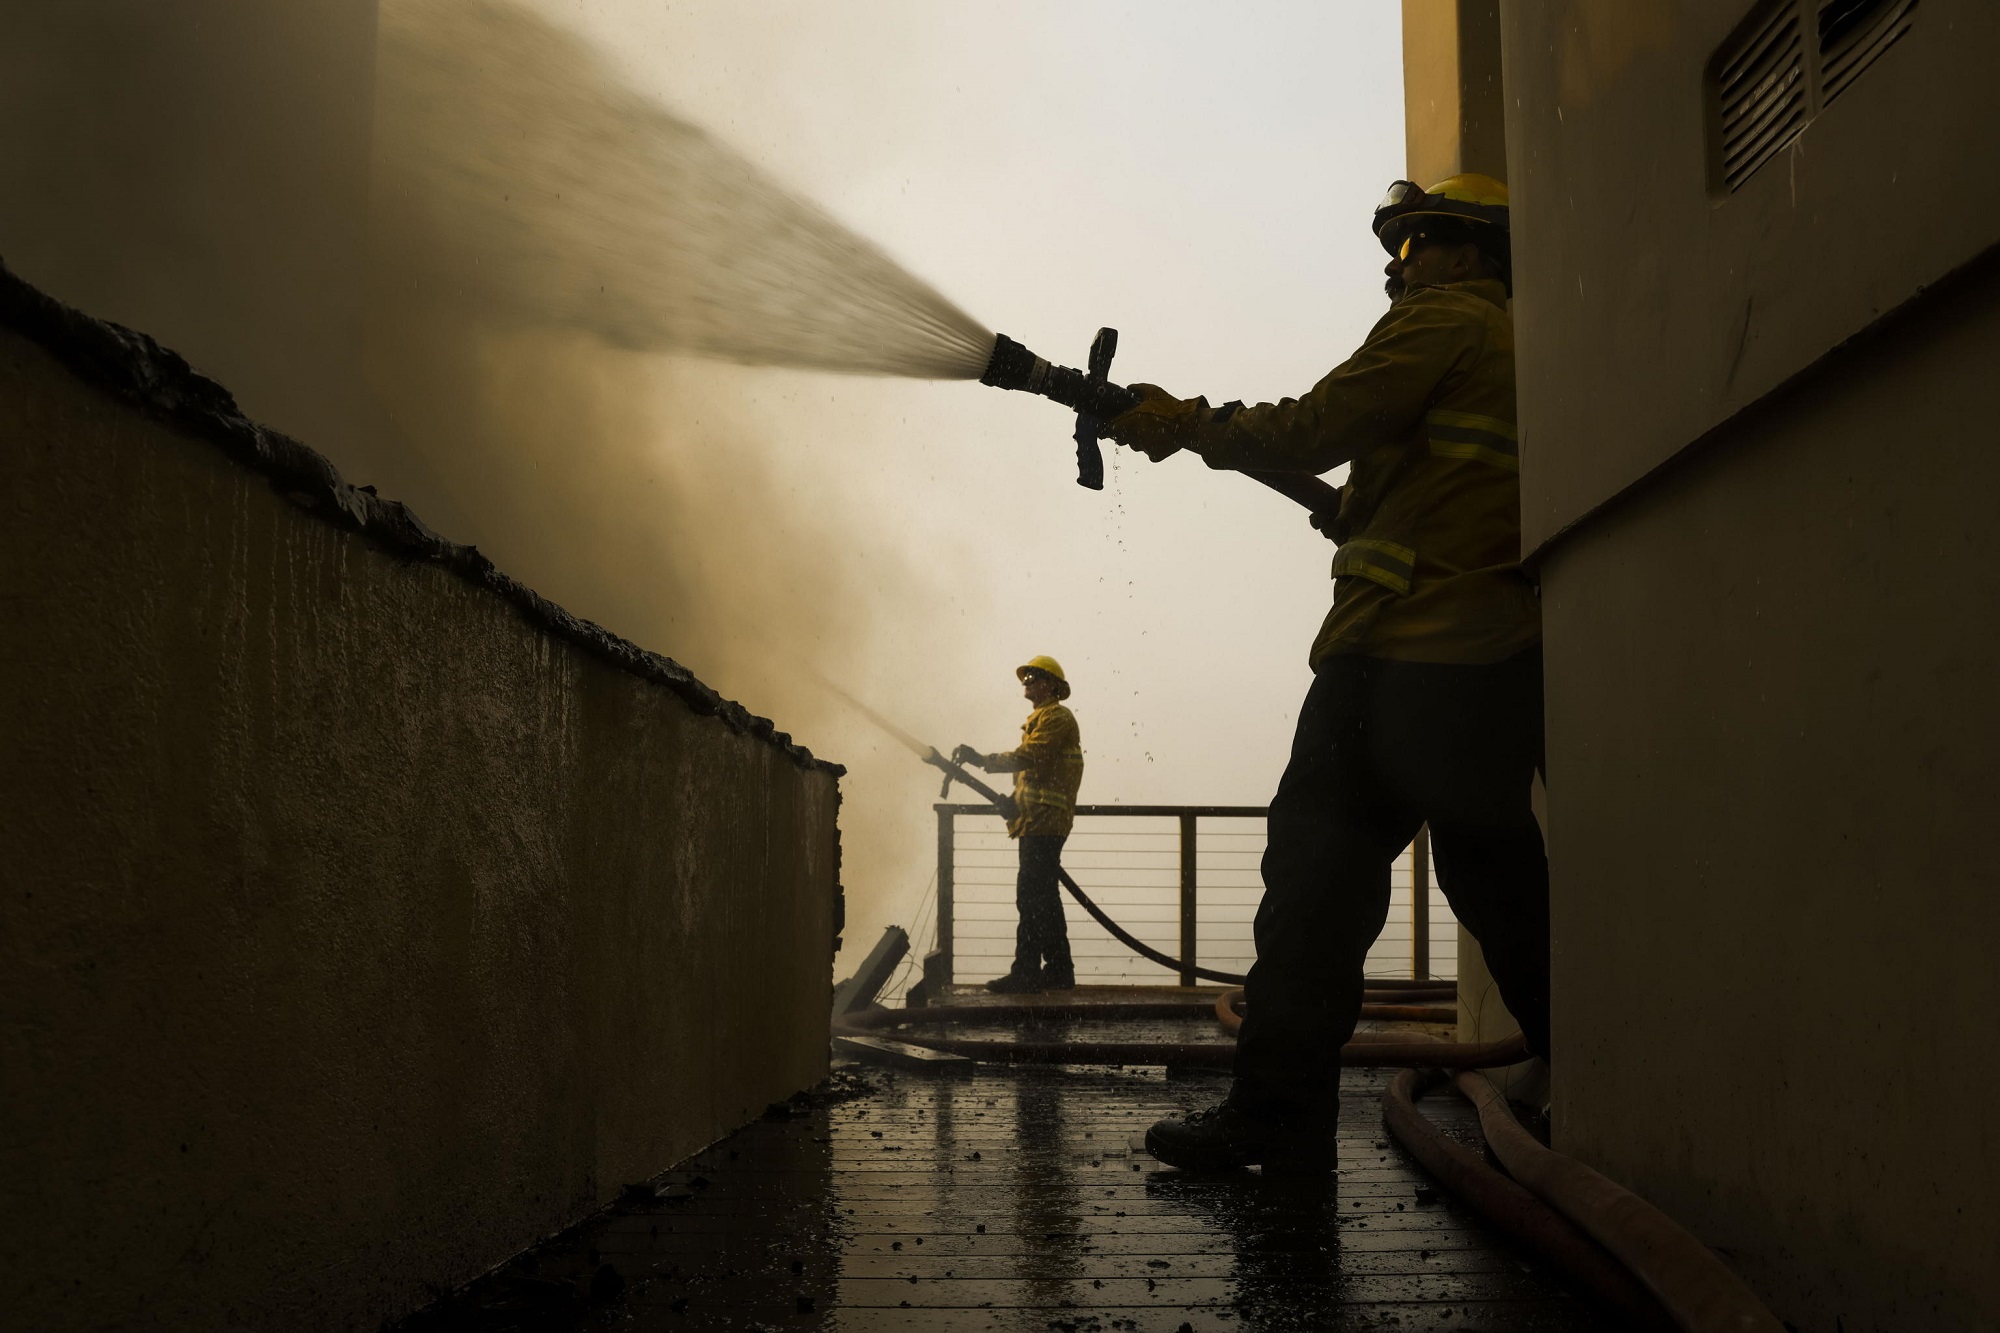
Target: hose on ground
[
  {"x": 1695, "y": 1287},
  {"x": 1512, "y": 1208},
  {"x": 1229, "y": 1011},
  {"x": 1367, "y": 1050}
]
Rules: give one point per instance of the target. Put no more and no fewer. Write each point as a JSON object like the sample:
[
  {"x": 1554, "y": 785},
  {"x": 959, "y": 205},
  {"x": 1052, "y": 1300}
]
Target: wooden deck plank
[{"x": 1013, "y": 1201}]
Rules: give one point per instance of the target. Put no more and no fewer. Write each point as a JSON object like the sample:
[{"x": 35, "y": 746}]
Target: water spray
[
  {"x": 525, "y": 182},
  {"x": 953, "y": 771}
]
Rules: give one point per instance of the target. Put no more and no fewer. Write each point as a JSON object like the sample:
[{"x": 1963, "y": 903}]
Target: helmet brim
[
  {"x": 1023, "y": 674},
  {"x": 1393, "y": 223}
]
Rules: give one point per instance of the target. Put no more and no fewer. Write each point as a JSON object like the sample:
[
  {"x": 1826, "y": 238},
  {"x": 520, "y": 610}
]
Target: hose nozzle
[{"x": 1013, "y": 366}]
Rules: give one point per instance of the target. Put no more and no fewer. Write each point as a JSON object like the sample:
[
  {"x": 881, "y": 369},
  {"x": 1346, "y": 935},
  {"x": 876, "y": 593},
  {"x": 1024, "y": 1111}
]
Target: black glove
[{"x": 965, "y": 754}]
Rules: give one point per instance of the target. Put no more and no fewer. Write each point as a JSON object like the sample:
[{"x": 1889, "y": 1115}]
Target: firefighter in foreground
[
  {"x": 1426, "y": 702},
  {"x": 1047, "y": 769}
]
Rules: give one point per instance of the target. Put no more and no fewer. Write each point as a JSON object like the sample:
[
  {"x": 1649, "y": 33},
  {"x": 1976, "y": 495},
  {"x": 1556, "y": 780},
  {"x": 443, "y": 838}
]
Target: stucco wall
[
  {"x": 1773, "y": 779},
  {"x": 1454, "y": 114},
  {"x": 1757, "y": 483},
  {"x": 1668, "y": 306},
  {"x": 365, "y": 918}
]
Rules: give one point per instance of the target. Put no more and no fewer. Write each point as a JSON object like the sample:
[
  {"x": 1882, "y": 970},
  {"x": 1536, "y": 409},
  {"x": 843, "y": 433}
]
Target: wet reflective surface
[{"x": 1014, "y": 1200}]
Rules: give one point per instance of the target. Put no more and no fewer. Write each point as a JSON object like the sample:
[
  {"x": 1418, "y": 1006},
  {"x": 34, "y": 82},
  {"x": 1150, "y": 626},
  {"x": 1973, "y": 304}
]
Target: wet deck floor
[{"x": 1013, "y": 1200}]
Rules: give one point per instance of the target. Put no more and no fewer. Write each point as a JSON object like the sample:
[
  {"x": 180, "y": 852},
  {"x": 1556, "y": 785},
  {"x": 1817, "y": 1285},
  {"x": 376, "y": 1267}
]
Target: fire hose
[
  {"x": 1510, "y": 1206},
  {"x": 1133, "y": 942},
  {"x": 1695, "y": 1287},
  {"x": 1368, "y": 1050}
]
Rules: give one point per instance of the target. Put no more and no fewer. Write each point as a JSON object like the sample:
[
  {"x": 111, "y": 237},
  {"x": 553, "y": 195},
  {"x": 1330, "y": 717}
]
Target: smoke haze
[
  {"x": 540, "y": 237},
  {"x": 561, "y": 199},
  {"x": 1198, "y": 175}
]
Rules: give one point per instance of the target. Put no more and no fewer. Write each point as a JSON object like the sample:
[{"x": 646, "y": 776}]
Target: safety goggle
[
  {"x": 1403, "y": 197},
  {"x": 1400, "y": 193}
]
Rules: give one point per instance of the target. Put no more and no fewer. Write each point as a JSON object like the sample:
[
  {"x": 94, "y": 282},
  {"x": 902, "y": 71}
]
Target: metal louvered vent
[
  {"x": 1852, "y": 33},
  {"x": 1759, "y": 86},
  {"x": 1782, "y": 66}
]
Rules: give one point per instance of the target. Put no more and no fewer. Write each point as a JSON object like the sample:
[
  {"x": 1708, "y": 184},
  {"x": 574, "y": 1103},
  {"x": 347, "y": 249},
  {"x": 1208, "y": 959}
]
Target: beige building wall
[
  {"x": 367, "y": 918},
  {"x": 1454, "y": 113},
  {"x": 1757, "y": 482},
  {"x": 1672, "y": 305}
]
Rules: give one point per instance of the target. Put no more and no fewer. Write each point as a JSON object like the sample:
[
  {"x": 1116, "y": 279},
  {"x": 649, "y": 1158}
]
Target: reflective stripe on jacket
[
  {"x": 1047, "y": 769},
  {"x": 1430, "y": 517}
]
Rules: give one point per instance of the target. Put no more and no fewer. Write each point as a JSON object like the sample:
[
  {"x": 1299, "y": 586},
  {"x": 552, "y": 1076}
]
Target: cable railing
[{"x": 1183, "y": 878}]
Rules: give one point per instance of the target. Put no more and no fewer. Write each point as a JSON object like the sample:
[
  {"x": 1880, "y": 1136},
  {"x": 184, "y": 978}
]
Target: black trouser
[
  {"x": 1382, "y": 748},
  {"x": 1041, "y": 941}
]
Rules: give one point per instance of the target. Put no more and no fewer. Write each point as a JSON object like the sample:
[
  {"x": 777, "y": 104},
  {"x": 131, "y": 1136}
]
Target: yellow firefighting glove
[{"x": 1156, "y": 425}]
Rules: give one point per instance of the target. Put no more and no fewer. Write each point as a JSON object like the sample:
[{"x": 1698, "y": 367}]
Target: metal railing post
[
  {"x": 947, "y": 853},
  {"x": 1420, "y": 904},
  {"x": 1188, "y": 977}
]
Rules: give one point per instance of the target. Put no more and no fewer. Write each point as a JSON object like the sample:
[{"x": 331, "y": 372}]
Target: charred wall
[
  {"x": 1754, "y": 481},
  {"x": 366, "y": 916}
]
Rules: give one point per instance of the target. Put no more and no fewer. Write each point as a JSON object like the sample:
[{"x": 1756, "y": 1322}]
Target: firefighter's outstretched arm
[
  {"x": 965, "y": 754},
  {"x": 1375, "y": 397}
]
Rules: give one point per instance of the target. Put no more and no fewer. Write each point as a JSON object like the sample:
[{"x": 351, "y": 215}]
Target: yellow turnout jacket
[
  {"x": 1428, "y": 568},
  {"x": 1047, "y": 769}
]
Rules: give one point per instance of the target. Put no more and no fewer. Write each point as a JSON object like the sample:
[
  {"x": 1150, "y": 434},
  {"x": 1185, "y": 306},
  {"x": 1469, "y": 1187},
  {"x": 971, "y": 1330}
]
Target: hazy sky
[{"x": 1199, "y": 176}]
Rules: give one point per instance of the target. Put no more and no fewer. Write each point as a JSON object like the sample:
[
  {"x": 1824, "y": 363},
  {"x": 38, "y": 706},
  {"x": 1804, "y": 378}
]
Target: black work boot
[
  {"x": 1228, "y": 1137},
  {"x": 1016, "y": 983},
  {"x": 1058, "y": 978}
]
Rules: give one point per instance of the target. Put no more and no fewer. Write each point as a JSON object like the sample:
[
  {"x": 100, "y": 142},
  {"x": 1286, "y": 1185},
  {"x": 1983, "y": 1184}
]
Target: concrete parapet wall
[{"x": 365, "y": 917}]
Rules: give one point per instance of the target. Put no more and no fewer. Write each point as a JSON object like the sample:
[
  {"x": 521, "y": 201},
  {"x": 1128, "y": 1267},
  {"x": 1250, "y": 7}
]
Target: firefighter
[
  {"x": 1047, "y": 769},
  {"x": 1426, "y": 701}
]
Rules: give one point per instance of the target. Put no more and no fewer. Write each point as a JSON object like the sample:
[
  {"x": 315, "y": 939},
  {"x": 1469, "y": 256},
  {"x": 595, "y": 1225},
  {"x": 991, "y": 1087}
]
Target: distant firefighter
[
  {"x": 1426, "y": 703},
  {"x": 1047, "y": 769}
]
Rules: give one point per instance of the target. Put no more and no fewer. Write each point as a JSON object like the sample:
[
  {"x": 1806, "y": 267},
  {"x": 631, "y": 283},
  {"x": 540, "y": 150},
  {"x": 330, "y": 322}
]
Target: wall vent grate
[
  {"x": 1853, "y": 34},
  {"x": 1782, "y": 66},
  {"x": 1760, "y": 90}
]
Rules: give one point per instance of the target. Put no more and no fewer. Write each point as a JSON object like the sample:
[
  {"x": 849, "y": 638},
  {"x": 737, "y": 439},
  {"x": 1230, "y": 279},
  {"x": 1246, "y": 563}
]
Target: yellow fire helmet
[
  {"x": 1049, "y": 667},
  {"x": 1469, "y": 198}
]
